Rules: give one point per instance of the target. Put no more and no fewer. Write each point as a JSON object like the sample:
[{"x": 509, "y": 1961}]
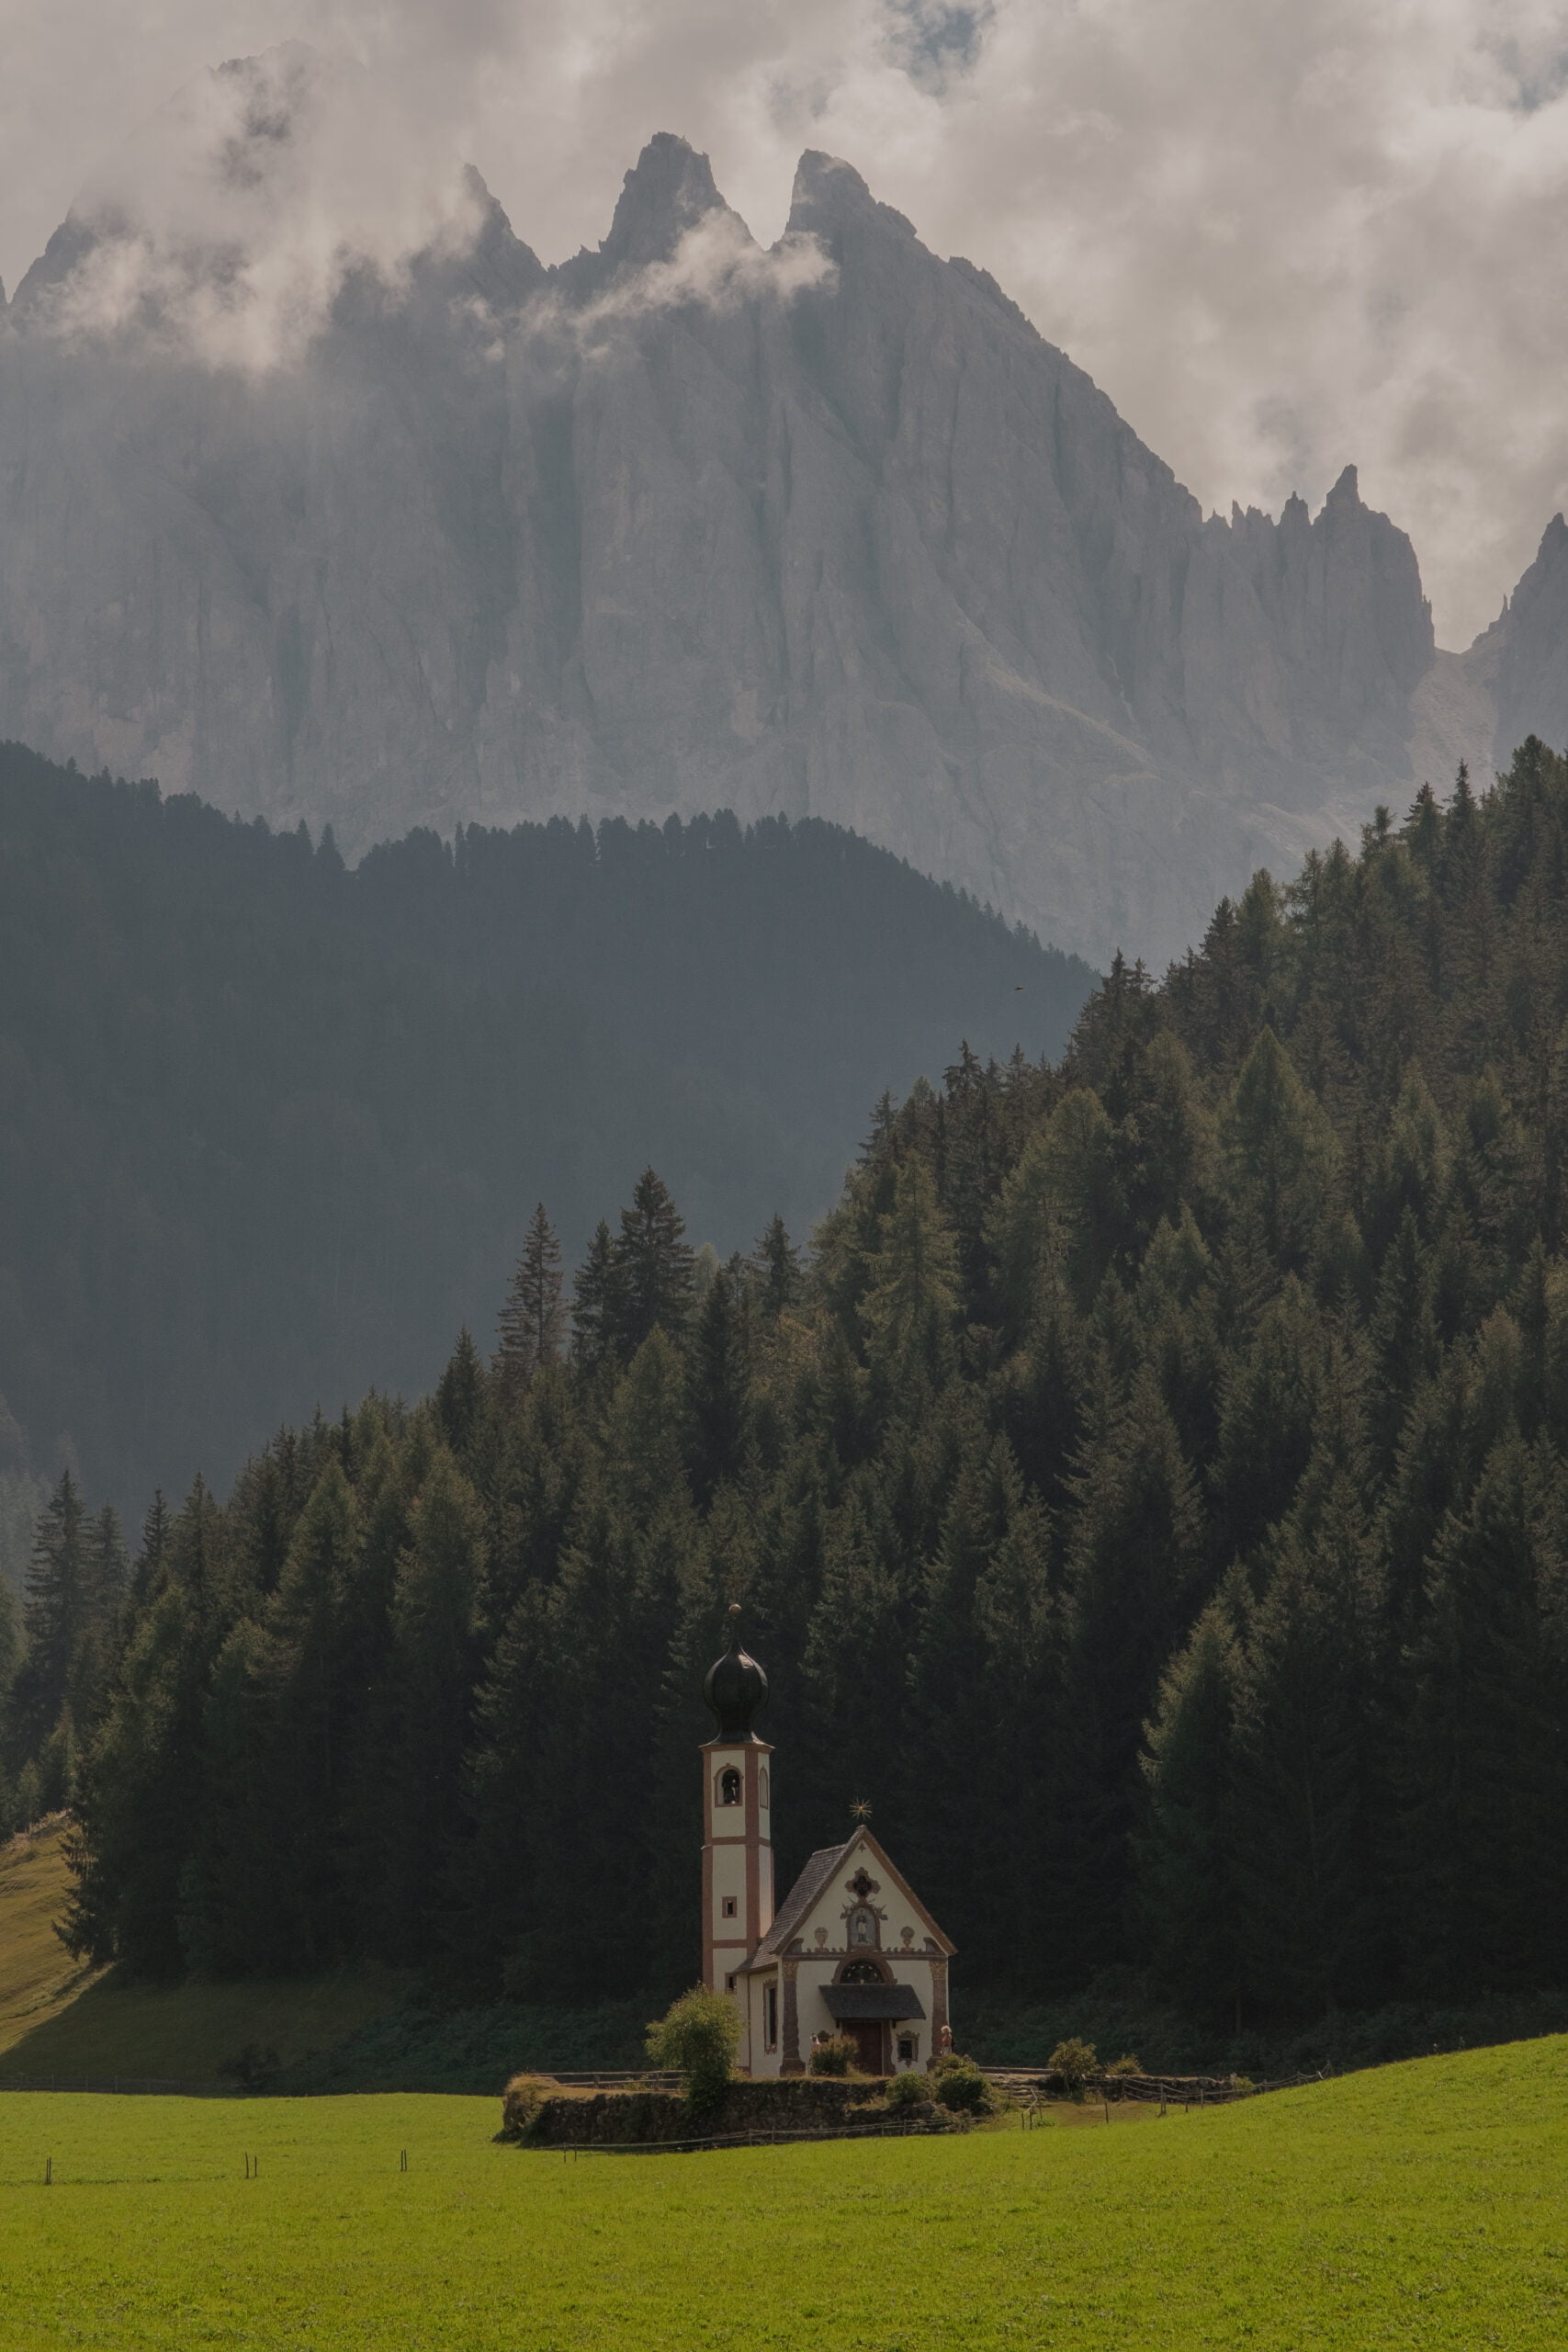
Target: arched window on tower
[{"x": 729, "y": 1786}]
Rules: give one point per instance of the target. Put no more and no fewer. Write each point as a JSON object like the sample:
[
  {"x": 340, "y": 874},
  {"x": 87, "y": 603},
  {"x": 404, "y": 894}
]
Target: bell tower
[{"x": 737, "y": 1852}]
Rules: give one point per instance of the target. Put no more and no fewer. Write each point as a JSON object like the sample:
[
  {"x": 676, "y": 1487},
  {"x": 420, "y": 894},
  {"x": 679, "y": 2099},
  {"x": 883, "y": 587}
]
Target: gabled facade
[{"x": 853, "y": 1950}]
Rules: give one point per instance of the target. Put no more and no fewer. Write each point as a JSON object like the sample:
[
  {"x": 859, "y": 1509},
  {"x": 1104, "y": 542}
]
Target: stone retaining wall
[{"x": 624, "y": 2117}]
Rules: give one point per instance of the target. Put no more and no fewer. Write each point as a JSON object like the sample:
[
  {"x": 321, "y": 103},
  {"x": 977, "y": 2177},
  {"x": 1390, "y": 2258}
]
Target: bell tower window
[{"x": 729, "y": 1786}]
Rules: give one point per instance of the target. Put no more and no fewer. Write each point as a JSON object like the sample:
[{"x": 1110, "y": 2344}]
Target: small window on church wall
[
  {"x": 771, "y": 2016},
  {"x": 729, "y": 1984},
  {"x": 729, "y": 1906},
  {"x": 729, "y": 1786},
  {"x": 907, "y": 2048}
]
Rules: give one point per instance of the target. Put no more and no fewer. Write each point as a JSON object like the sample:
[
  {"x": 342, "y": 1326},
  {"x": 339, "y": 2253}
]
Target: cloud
[
  {"x": 226, "y": 225},
  {"x": 715, "y": 263},
  {"x": 1281, "y": 238}
]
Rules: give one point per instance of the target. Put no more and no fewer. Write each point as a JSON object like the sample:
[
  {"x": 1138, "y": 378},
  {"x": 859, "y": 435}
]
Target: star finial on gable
[{"x": 860, "y": 1810}]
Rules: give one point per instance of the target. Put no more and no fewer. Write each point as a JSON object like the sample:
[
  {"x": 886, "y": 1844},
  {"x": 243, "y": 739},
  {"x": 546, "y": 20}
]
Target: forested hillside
[
  {"x": 1152, "y": 1495},
  {"x": 272, "y": 1128}
]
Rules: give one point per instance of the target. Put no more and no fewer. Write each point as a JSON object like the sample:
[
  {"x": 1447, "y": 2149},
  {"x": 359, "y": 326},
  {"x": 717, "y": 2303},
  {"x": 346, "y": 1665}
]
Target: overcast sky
[{"x": 1282, "y": 234}]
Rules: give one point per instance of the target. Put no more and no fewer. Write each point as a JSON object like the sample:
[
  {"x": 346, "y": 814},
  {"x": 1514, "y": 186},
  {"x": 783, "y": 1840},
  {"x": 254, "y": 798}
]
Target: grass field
[{"x": 1423, "y": 2205}]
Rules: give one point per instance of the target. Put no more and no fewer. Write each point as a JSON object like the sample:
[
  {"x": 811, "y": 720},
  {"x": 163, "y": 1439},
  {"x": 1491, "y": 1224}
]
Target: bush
[
  {"x": 1119, "y": 2070},
  {"x": 1072, "y": 2062},
  {"x": 696, "y": 2038},
  {"x": 908, "y": 2090},
  {"x": 960, "y": 2085},
  {"x": 252, "y": 2068},
  {"x": 834, "y": 2054}
]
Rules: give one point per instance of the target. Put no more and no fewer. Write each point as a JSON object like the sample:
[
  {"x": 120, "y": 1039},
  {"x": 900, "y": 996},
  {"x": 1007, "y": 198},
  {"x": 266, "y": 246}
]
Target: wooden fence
[{"x": 1030, "y": 2084}]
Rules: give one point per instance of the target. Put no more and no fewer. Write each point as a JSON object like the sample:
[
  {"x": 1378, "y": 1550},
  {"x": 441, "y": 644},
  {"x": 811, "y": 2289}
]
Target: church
[{"x": 850, "y": 1951}]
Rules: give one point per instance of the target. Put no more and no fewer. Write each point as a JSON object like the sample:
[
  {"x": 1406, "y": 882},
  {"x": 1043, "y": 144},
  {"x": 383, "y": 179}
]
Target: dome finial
[{"x": 735, "y": 1687}]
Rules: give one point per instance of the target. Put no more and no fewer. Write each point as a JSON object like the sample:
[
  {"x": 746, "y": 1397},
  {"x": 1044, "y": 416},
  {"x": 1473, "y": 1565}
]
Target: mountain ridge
[{"x": 678, "y": 524}]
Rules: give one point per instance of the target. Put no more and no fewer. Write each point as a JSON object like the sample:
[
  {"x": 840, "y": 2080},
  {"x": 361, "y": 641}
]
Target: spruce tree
[
  {"x": 461, "y": 1396},
  {"x": 1482, "y": 1752},
  {"x": 432, "y": 1672},
  {"x": 912, "y": 1292},
  {"x": 1187, "y": 1894},
  {"x": 592, "y": 1303},
  {"x": 533, "y": 1319},
  {"x": 1311, "y": 1764},
  {"x": 650, "y": 1274},
  {"x": 776, "y": 1270},
  {"x": 60, "y": 1610},
  {"x": 1134, "y": 1580}
]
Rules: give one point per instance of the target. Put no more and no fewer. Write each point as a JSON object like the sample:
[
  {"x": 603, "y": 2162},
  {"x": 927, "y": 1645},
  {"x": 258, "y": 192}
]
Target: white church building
[{"x": 851, "y": 1950}]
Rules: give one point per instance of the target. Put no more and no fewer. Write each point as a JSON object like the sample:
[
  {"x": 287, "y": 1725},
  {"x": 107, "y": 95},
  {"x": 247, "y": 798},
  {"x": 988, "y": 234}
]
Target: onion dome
[{"x": 736, "y": 1687}]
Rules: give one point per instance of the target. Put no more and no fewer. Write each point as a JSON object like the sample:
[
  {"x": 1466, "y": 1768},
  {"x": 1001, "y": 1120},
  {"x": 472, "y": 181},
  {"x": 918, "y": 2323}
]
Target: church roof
[
  {"x": 811, "y": 1883},
  {"x": 814, "y": 1882}
]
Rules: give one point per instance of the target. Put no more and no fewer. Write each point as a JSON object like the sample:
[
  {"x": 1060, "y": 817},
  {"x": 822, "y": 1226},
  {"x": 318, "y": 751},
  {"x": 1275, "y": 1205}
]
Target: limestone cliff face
[
  {"x": 1529, "y": 650},
  {"x": 681, "y": 525}
]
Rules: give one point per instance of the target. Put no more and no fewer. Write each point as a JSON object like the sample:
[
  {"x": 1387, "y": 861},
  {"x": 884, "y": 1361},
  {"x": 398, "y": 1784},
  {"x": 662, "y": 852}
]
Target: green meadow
[{"x": 1418, "y": 2205}]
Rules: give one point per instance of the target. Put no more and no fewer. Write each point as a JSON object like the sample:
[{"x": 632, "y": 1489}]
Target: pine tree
[
  {"x": 533, "y": 1319},
  {"x": 961, "y": 1734},
  {"x": 431, "y": 1672},
  {"x": 776, "y": 1270},
  {"x": 912, "y": 1295},
  {"x": 1281, "y": 1159},
  {"x": 719, "y": 1385},
  {"x": 1187, "y": 1887},
  {"x": 1267, "y": 1420},
  {"x": 1134, "y": 1582},
  {"x": 1311, "y": 1762},
  {"x": 147, "y": 1574},
  {"x": 59, "y": 1611},
  {"x": 1482, "y": 1752},
  {"x": 651, "y": 1285},
  {"x": 140, "y": 1791},
  {"x": 461, "y": 1396},
  {"x": 593, "y": 1301}
]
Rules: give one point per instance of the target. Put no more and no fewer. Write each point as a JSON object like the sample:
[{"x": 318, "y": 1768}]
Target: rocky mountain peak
[
  {"x": 829, "y": 196},
  {"x": 851, "y": 542},
  {"x": 667, "y": 191}
]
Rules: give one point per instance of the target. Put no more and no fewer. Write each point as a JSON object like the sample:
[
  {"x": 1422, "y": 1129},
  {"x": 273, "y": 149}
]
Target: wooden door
[{"x": 866, "y": 2034}]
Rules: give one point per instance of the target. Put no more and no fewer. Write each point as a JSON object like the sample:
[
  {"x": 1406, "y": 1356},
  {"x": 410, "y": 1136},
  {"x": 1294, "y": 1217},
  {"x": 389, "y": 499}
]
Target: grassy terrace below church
[{"x": 1419, "y": 2205}]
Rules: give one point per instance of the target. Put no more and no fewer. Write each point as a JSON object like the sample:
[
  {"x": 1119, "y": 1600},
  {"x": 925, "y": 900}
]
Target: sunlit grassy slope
[
  {"x": 59, "y": 2019},
  {"x": 1422, "y": 2205}
]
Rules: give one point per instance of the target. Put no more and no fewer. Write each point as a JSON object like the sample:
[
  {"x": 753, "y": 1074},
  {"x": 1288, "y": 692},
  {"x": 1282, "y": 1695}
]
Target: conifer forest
[
  {"x": 274, "y": 1125},
  {"x": 1147, "y": 1489}
]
